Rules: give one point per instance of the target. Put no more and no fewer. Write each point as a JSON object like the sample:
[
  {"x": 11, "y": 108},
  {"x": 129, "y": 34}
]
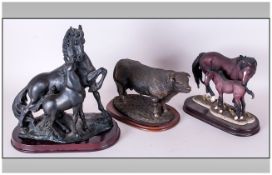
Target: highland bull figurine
[{"x": 155, "y": 86}]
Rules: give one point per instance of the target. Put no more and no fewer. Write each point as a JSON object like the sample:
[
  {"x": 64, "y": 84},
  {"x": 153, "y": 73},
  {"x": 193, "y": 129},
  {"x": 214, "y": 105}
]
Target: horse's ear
[{"x": 79, "y": 27}]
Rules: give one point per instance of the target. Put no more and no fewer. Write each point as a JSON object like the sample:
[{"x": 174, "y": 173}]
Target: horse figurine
[
  {"x": 229, "y": 86},
  {"x": 240, "y": 68},
  {"x": 44, "y": 83}
]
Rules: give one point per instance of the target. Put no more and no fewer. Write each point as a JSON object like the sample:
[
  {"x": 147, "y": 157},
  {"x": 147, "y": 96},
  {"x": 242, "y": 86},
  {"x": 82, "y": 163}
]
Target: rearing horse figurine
[
  {"x": 44, "y": 83},
  {"x": 240, "y": 68}
]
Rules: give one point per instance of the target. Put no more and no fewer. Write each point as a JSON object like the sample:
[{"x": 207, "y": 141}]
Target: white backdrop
[{"x": 32, "y": 46}]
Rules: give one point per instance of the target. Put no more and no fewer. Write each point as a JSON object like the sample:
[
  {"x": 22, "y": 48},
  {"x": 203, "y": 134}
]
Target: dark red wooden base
[
  {"x": 203, "y": 114},
  {"x": 117, "y": 115},
  {"x": 99, "y": 142}
]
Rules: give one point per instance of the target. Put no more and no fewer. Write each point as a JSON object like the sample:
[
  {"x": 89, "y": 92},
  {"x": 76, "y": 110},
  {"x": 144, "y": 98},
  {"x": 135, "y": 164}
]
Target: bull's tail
[
  {"x": 19, "y": 101},
  {"x": 197, "y": 71},
  {"x": 114, "y": 72},
  {"x": 250, "y": 92}
]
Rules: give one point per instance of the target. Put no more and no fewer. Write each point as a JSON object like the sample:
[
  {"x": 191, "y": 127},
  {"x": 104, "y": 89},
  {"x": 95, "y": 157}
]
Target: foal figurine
[
  {"x": 229, "y": 86},
  {"x": 72, "y": 96}
]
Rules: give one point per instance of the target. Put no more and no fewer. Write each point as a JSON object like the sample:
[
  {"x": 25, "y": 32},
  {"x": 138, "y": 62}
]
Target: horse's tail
[
  {"x": 19, "y": 101},
  {"x": 250, "y": 92},
  {"x": 197, "y": 71}
]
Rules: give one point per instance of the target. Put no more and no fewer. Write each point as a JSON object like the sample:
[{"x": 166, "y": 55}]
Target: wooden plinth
[
  {"x": 144, "y": 126},
  {"x": 99, "y": 142},
  {"x": 196, "y": 110}
]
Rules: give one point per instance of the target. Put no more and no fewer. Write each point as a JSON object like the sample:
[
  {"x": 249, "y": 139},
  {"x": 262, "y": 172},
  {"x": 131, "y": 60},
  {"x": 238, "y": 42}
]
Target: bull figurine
[{"x": 161, "y": 85}]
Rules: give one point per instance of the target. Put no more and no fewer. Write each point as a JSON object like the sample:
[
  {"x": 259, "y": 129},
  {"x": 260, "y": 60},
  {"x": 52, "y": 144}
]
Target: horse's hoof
[
  {"x": 77, "y": 136},
  {"x": 213, "y": 99},
  {"x": 216, "y": 107},
  {"x": 67, "y": 131},
  {"x": 85, "y": 128},
  {"x": 156, "y": 115},
  {"x": 207, "y": 96},
  {"x": 235, "y": 118},
  {"x": 221, "y": 111},
  {"x": 242, "y": 117}
]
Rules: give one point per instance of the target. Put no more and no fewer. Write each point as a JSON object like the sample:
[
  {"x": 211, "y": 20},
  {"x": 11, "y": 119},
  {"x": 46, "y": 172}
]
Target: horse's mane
[{"x": 70, "y": 36}]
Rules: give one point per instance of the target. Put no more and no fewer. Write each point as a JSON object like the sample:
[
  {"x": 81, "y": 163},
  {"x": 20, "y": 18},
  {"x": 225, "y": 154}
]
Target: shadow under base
[
  {"x": 94, "y": 139},
  {"x": 203, "y": 109},
  {"x": 137, "y": 111}
]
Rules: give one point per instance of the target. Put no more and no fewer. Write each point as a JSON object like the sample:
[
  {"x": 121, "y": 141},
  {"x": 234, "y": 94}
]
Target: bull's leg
[
  {"x": 164, "y": 108},
  {"x": 163, "y": 105},
  {"x": 121, "y": 90},
  {"x": 156, "y": 106}
]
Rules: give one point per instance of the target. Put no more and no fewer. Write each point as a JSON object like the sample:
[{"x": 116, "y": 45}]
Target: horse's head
[
  {"x": 73, "y": 44},
  {"x": 210, "y": 75},
  {"x": 248, "y": 66}
]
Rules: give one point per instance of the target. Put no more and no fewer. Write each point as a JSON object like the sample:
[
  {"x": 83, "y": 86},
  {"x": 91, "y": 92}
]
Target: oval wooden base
[
  {"x": 117, "y": 115},
  {"x": 99, "y": 142},
  {"x": 196, "y": 110}
]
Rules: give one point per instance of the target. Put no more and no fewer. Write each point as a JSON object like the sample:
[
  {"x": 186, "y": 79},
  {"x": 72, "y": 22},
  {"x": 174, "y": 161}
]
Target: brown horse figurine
[
  {"x": 240, "y": 68},
  {"x": 229, "y": 86}
]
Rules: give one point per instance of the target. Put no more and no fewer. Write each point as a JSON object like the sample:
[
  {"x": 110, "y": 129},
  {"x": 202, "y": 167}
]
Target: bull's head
[{"x": 180, "y": 81}]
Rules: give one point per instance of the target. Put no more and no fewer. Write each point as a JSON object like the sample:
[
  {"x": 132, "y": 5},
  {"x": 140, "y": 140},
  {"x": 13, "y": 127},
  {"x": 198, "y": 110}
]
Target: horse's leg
[
  {"x": 103, "y": 72},
  {"x": 27, "y": 112},
  {"x": 243, "y": 107},
  {"x": 220, "y": 102},
  {"x": 50, "y": 110},
  {"x": 83, "y": 119},
  {"x": 92, "y": 76},
  {"x": 98, "y": 100},
  {"x": 62, "y": 126},
  {"x": 208, "y": 88},
  {"x": 238, "y": 106},
  {"x": 75, "y": 118}
]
